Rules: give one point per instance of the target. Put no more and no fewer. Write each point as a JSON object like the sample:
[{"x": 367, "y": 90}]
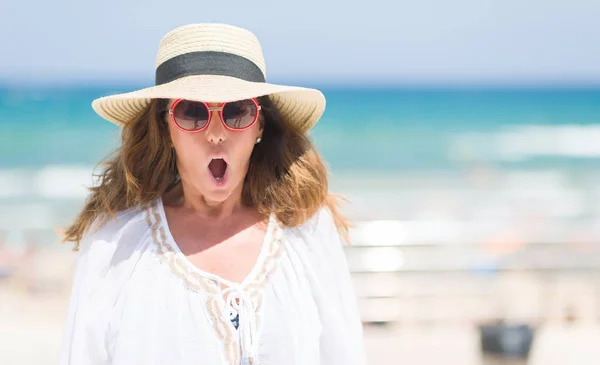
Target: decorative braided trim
[
  {"x": 256, "y": 287},
  {"x": 183, "y": 269}
]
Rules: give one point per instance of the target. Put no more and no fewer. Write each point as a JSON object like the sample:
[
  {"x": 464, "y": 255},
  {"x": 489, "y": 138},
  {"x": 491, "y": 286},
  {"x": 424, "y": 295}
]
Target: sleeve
[
  {"x": 342, "y": 339},
  {"x": 84, "y": 339}
]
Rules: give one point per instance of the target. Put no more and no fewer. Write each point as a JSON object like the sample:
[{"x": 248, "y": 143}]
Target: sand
[{"x": 33, "y": 310}]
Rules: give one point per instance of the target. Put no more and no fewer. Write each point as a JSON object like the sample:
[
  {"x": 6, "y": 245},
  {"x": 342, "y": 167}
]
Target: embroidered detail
[
  {"x": 256, "y": 286},
  {"x": 182, "y": 268}
]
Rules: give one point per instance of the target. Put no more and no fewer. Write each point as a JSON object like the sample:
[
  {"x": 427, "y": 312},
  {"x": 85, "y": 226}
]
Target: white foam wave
[
  {"x": 49, "y": 182},
  {"x": 519, "y": 143}
]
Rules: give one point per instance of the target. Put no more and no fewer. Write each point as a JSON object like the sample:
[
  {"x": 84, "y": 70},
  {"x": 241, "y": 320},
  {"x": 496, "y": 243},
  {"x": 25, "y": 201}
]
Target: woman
[{"x": 211, "y": 238}]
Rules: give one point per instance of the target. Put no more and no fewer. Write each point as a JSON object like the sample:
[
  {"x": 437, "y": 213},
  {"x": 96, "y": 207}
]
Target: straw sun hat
[{"x": 213, "y": 63}]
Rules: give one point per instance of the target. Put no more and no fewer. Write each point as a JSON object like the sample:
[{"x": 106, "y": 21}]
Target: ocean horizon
[
  {"x": 388, "y": 127},
  {"x": 390, "y": 149}
]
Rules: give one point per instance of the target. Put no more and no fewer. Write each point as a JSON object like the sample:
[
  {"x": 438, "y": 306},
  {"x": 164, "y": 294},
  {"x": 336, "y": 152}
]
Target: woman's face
[{"x": 214, "y": 161}]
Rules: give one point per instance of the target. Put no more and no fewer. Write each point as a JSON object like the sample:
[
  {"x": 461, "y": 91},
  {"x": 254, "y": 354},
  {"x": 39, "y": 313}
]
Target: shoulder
[
  {"x": 319, "y": 233},
  {"x": 321, "y": 222},
  {"x": 318, "y": 243},
  {"x": 107, "y": 233}
]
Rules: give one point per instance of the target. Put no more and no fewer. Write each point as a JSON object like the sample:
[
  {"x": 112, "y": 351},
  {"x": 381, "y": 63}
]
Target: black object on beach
[{"x": 506, "y": 340}]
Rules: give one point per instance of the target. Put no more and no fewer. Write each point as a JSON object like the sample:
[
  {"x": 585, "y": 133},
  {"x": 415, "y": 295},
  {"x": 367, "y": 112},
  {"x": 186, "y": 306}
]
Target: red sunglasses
[{"x": 194, "y": 116}]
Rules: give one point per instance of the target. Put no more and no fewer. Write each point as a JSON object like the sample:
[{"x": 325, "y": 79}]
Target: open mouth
[{"x": 217, "y": 167}]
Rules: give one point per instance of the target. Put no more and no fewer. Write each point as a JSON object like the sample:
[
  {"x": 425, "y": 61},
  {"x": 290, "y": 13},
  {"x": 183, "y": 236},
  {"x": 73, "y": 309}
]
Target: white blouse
[{"x": 136, "y": 299}]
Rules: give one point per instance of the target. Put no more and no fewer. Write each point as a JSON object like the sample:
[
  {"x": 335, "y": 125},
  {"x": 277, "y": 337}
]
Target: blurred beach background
[{"x": 465, "y": 135}]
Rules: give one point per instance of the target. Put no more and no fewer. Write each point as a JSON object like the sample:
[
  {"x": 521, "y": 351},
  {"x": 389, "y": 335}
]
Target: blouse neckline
[
  {"x": 245, "y": 298},
  {"x": 256, "y": 268}
]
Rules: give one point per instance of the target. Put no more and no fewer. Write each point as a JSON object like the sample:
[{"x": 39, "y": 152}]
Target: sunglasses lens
[
  {"x": 240, "y": 114},
  {"x": 190, "y": 115}
]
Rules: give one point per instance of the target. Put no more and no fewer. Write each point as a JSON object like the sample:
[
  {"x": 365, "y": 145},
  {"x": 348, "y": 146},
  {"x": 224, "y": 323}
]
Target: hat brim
[{"x": 302, "y": 107}]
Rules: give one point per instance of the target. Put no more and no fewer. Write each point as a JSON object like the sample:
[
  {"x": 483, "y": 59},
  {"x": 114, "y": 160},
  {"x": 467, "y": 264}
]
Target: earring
[{"x": 258, "y": 140}]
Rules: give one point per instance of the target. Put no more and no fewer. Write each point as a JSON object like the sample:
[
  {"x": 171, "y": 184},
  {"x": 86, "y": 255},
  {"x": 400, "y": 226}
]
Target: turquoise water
[
  {"x": 405, "y": 154},
  {"x": 369, "y": 128}
]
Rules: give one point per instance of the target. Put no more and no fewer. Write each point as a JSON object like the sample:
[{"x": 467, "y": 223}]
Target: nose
[{"x": 216, "y": 132}]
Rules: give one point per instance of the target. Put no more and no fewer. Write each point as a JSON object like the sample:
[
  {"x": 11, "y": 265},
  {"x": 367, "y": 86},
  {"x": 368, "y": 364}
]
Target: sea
[{"x": 395, "y": 153}]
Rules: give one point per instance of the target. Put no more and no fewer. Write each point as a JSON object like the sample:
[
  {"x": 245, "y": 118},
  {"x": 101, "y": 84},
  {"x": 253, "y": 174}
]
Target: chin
[
  {"x": 217, "y": 195},
  {"x": 219, "y": 191}
]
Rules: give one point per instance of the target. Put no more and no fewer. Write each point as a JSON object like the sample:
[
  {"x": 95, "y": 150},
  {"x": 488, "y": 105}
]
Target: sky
[{"x": 314, "y": 41}]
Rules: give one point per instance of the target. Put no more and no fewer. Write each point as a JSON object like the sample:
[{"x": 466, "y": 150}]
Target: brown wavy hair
[{"x": 286, "y": 174}]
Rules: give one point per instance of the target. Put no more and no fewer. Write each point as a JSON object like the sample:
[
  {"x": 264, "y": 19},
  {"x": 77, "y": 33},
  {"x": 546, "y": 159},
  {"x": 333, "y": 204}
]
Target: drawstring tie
[{"x": 239, "y": 304}]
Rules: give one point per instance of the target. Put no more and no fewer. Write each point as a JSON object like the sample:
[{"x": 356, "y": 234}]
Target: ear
[{"x": 261, "y": 126}]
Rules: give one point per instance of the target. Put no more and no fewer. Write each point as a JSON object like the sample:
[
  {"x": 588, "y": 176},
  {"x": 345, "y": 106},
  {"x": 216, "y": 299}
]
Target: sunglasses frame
[{"x": 210, "y": 111}]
